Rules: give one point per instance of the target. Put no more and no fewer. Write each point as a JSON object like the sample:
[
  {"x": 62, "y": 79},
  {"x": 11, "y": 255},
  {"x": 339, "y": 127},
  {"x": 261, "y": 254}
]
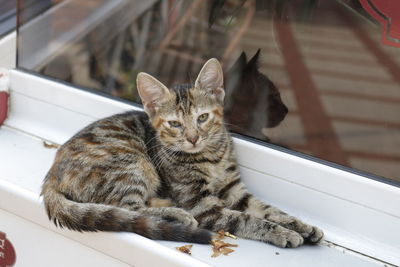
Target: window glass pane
[
  {"x": 319, "y": 77},
  {"x": 7, "y": 16}
]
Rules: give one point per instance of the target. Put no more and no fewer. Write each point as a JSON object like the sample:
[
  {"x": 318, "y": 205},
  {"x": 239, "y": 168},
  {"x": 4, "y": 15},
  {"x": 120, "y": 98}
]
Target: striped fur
[{"x": 104, "y": 178}]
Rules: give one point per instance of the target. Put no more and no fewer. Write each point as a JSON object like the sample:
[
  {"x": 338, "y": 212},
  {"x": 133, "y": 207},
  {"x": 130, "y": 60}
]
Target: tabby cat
[{"x": 105, "y": 176}]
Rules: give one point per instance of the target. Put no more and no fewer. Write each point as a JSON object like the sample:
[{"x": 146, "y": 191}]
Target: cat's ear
[
  {"x": 253, "y": 62},
  {"x": 151, "y": 91},
  {"x": 211, "y": 78},
  {"x": 239, "y": 64},
  {"x": 241, "y": 61}
]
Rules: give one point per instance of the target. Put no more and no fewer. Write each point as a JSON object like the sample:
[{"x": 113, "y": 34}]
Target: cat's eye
[
  {"x": 203, "y": 117},
  {"x": 174, "y": 123}
]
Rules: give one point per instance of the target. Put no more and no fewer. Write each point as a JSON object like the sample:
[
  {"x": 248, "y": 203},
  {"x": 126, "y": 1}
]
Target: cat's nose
[{"x": 193, "y": 139}]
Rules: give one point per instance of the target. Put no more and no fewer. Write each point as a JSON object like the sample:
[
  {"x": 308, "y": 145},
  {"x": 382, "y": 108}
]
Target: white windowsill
[{"x": 354, "y": 212}]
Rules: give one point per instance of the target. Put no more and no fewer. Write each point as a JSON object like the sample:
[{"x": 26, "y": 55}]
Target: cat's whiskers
[
  {"x": 162, "y": 155},
  {"x": 159, "y": 159},
  {"x": 151, "y": 139}
]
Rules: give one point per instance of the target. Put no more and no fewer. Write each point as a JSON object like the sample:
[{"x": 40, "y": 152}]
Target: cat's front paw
[
  {"x": 314, "y": 236},
  {"x": 285, "y": 238},
  {"x": 311, "y": 234}
]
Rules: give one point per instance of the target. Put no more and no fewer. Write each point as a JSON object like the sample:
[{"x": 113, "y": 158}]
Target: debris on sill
[
  {"x": 49, "y": 145},
  {"x": 220, "y": 247},
  {"x": 185, "y": 249},
  {"x": 221, "y": 234}
]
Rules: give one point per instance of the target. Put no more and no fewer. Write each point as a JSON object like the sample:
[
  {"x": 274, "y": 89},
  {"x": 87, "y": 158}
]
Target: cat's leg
[
  {"x": 167, "y": 213},
  {"x": 137, "y": 203},
  {"x": 311, "y": 234},
  {"x": 238, "y": 198},
  {"x": 212, "y": 215}
]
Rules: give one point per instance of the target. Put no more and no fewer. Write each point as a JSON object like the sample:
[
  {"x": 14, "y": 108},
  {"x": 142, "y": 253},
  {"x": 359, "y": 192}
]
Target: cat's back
[
  {"x": 110, "y": 150},
  {"x": 106, "y": 136},
  {"x": 117, "y": 128}
]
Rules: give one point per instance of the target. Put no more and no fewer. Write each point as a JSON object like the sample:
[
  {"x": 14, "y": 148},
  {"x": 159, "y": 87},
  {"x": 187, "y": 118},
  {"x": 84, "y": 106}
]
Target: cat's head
[
  {"x": 186, "y": 118},
  {"x": 245, "y": 78}
]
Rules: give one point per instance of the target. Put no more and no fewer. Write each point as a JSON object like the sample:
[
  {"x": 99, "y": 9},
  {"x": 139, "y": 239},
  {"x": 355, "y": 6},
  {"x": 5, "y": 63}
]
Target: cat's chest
[
  {"x": 216, "y": 172},
  {"x": 216, "y": 176}
]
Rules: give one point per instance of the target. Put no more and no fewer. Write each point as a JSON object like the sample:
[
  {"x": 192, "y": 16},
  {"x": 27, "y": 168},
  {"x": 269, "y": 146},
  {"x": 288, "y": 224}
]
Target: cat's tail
[{"x": 98, "y": 217}]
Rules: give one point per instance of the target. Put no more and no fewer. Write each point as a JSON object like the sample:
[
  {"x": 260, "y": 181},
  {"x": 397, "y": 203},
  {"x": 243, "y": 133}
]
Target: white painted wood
[
  {"x": 55, "y": 111},
  {"x": 355, "y": 212},
  {"x": 8, "y": 51},
  {"x": 346, "y": 223},
  {"x": 35, "y": 117},
  {"x": 255, "y": 254},
  {"x": 65, "y": 96},
  {"x": 23, "y": 159},
  {"x": 311, "y": 174},
  {"x": 37, "y": 246},
  {"x": 4, "y": 79}
]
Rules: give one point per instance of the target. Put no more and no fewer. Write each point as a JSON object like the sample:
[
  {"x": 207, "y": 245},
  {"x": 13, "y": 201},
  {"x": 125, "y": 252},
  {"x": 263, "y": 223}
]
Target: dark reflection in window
[{"x": 312, "y": 76}]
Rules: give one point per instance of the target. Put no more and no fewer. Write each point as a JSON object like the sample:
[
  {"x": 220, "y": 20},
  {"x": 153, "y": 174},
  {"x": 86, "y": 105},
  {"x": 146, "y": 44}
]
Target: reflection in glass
[{"x": 312, "y": 76}]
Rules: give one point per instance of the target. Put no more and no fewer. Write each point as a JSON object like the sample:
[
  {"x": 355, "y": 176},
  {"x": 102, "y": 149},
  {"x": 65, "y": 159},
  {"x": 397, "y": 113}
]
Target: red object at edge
[
  {"x": 7, "y": 252},
  {"x": 3, "y": 106}
]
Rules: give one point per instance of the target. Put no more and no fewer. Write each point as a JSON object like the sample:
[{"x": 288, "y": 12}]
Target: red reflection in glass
[{"x": 387, "y": 12}]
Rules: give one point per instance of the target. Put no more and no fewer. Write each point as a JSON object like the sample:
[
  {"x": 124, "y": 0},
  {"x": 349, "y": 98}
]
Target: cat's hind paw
[{"x": 181, "y": 216}]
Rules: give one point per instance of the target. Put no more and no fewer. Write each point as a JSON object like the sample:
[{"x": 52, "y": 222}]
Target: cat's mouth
[{"x": 192, "y": 148}]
